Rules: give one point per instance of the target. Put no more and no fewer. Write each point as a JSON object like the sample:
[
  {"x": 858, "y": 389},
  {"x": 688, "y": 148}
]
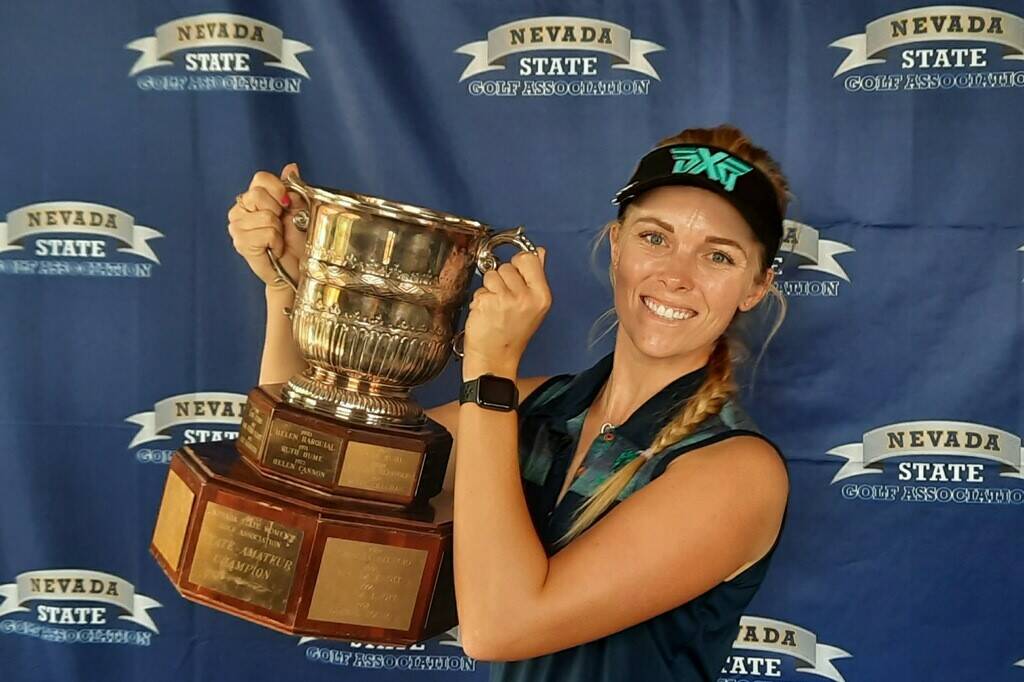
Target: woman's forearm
[
  {"x": 500, "y": 562},
  {"x": 281, "y": 358}
]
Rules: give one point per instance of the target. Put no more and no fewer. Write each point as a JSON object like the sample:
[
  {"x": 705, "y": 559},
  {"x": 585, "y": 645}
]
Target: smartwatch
[{"x": 490, "y": 391}]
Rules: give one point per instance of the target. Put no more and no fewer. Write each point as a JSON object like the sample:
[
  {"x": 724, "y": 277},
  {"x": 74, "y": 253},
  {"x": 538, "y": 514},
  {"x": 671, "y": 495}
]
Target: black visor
[{"x": 715, "y": 169}]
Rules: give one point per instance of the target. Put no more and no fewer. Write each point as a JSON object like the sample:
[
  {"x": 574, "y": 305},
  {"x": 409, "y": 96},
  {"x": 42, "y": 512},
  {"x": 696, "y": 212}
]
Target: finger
[
  {"x": 295, "y": 200},
  {"x": 254, "y": 242},
  {"x": 494, "y": 283},
  {"x": 271, "y": 183},
  {"x": 479, "y": 296},
  {"x": 237, "y": 210},
  {"x": 531, "y": 267},
  {"x": 254, "y": 220},
  {"x": 259, "y": 199},
  {"x": 513, "y": 279},
  {"x": 241, "y": 201}
]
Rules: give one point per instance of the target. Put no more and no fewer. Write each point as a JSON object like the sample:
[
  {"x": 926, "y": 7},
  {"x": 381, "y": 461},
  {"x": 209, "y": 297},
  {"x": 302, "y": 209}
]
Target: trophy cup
[{"x": 318, "y": 519}]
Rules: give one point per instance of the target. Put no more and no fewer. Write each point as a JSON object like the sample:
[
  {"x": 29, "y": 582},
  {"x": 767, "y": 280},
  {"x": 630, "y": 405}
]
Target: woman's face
[{"x": 685, "y": 261}]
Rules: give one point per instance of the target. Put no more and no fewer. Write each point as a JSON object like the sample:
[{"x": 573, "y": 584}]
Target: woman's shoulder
[
  {"x": 737, "y": 421},
  {"x": 730, "y": 421}
]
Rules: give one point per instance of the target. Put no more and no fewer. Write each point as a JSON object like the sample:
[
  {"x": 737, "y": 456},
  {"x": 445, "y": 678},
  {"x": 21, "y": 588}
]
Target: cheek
[
  {"x": 633, "y": 268},
  {"x": 724, "y": 295}
]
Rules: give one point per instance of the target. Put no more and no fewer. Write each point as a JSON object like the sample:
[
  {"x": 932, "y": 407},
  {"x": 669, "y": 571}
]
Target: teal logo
[{"x": 719, "y": 166}]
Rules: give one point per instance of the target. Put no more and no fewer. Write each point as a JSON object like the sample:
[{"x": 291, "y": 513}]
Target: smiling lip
[{"x": 667, "y": 312}]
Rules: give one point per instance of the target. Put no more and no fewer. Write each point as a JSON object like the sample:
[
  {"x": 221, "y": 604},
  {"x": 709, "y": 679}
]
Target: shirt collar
[{"x": 641, "y": 426}]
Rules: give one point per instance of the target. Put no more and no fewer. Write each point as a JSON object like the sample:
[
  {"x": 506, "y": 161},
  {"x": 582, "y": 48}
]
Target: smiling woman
[
  {"x": 684, "y": 229},
  {"x": 617, "y": 525}
]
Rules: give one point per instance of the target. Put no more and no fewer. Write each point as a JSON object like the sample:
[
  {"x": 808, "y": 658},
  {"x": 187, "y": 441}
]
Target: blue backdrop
[{"x": 894, "y": 386}]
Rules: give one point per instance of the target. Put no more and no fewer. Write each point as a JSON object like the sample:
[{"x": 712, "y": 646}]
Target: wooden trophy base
[
  {"x": 403, "y": 466},
  {"x": 300, "y": 561}
]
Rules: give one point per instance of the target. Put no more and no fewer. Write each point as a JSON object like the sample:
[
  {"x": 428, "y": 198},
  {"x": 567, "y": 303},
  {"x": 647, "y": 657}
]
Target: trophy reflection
[{"x": 318, "y": 519}]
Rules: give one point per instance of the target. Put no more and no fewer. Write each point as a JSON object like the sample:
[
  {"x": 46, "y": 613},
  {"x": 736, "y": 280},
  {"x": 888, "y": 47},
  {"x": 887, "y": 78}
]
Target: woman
[{"x": 586, "y": 546}]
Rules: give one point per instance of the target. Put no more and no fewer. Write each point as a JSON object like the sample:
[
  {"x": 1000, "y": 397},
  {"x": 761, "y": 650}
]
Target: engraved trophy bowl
[{"x": 380, "y": 289}]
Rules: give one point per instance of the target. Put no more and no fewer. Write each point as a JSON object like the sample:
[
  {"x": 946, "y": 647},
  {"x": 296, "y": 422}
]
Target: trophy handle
[
  {"x": 486, "y": 260},
  {"x": 301, "y": 223},
  {"x": 294, "y": 182}
]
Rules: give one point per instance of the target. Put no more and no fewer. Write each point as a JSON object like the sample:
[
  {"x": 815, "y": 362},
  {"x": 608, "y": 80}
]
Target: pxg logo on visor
[{"x": 719, "y": 166}]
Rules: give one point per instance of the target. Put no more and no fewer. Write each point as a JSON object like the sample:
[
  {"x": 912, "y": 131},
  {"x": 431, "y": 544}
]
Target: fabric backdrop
[{"x": 893, "y": 386}]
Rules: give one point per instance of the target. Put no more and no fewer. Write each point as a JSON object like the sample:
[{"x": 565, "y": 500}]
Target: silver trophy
[
  {"x": 319, "y": 520},
  {"x": 378, "y": 297}
]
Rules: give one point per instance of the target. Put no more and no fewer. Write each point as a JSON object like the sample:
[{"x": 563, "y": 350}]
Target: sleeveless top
[{"x": 689, "y": 643}]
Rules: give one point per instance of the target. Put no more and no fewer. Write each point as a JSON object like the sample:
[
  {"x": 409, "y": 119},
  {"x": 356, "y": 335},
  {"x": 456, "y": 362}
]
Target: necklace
[{"x": 607, "y": 426}]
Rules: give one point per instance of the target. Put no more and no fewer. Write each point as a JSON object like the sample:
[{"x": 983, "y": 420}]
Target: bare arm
[
  {"x": 281, "y": 358},
  {"x": 263, "y": 217},
  {"x": 713, "y": 511},
  {"x": 447, "y": 414}
]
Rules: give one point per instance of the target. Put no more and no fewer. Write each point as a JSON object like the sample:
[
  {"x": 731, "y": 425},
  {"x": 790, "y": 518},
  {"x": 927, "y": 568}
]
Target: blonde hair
[{"x": 730, "y": 349}]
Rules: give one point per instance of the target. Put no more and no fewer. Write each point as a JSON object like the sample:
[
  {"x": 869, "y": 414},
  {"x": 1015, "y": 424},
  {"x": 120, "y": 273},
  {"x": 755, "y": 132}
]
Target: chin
[{"x": 660, "y": 344}]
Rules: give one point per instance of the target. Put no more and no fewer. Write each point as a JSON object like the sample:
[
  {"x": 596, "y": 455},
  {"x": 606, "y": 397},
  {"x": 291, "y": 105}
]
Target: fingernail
[{"x": 285, "y": 201}]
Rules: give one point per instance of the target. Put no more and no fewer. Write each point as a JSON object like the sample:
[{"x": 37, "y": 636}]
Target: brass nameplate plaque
[
  {"x": 253, "y": 427},
  {"x": 172, "y": 521},
  {"x": 246, "y": 557},
  {"x": 380, "y": 468},
  {"x": 365, "y": 583},
  {"x": 303, "y": 453}
]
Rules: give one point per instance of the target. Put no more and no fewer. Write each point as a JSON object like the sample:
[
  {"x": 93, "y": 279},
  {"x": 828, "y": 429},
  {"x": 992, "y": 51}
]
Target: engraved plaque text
[
  {"x": 246, "y": 557},
  {"x": 365, "y": 583},
  {"x": 253, "y": 428},
  {"x": 303, "y": 453},
  {"x": 380, "y": 468}
]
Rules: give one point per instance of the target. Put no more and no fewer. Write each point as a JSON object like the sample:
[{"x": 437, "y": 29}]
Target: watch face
[{"x": 497, "y": 391}]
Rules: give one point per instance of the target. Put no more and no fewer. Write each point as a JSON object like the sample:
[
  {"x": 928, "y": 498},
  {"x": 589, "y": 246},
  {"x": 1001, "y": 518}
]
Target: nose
[{"x": 677, "y": 272}]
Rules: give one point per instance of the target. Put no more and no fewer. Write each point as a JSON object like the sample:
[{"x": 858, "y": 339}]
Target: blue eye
[
  {"x": 728, "y": 258},
  {"x": 659, "y": 236}
]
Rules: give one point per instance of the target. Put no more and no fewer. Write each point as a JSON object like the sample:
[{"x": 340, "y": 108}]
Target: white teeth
[{"x": 666, "y": 312}]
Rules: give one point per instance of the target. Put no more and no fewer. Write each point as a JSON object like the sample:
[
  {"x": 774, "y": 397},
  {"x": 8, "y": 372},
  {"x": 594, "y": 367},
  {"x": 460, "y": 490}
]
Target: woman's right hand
[{"x": 263, "y": 215}]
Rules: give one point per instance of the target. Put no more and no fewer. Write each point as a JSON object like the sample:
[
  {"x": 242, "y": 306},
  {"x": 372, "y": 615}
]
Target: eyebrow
[{"x": 711, "y": 240}]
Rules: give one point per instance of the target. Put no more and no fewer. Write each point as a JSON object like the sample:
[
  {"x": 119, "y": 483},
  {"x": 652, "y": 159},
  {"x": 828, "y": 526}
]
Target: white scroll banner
[
  {"x": 217, "y": 29},
  {"x": 928, "y": 24},
  {"x": 217, "y": 408},
  {"x": 930, "y": 438},
  {"x": 780, "y": 637},
  {"x": 559, "y": 33},
  {"x": 77, "y": 217},
  {"x": 78, "y": 585}
]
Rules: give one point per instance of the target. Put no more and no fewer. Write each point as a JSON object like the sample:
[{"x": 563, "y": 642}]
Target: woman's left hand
[{"x": 504, "y": 314}]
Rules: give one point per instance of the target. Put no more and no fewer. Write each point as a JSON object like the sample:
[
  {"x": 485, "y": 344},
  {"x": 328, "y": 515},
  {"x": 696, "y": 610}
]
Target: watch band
[{"x": 467, "y": 394}]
